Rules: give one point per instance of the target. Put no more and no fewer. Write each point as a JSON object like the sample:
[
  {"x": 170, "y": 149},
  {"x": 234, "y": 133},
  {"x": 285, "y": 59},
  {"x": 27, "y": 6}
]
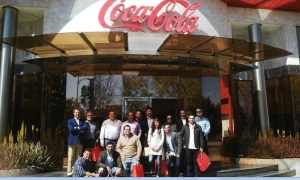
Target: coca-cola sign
[{"x": 163, "y": 16}]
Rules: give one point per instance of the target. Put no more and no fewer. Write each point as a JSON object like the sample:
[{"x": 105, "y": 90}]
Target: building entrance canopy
[{"x": 144, "y": 54}]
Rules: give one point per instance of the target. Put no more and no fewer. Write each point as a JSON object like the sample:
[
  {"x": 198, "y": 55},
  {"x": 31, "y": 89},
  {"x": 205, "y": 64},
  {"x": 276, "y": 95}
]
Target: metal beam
[
  {"x": 201, "y": 44},
  {"x": 164, "y": 43},
  {"x": 126, "y": 41},
  {"x": 50, "y": 44},
  {"x": 88, "y": 42}
]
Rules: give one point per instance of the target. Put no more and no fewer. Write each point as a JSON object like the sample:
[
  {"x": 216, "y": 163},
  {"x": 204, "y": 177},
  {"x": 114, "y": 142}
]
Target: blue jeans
[
  {"x": 128, "y": 165},
  {"x": 105, "y": 172},
  {"x": 173, "y": 165},
  {"x": 151, "y": 163}
]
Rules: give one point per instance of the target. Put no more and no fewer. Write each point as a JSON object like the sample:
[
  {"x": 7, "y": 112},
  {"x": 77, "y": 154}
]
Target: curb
[{"x": 19, "y": 172}]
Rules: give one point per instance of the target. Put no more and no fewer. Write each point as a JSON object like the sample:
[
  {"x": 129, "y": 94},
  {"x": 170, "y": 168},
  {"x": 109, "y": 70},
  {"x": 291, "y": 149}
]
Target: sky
[
  {"x": 211, "y": 88},
  {"x": 72, "y": 85}
]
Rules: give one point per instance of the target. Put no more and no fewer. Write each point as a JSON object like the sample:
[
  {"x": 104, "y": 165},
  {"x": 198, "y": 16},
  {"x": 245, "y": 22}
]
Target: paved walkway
[
  {"x": 214, "y": 148},
  {"x": 61, "y": 173},
  {"x": 211, "y": 171}
]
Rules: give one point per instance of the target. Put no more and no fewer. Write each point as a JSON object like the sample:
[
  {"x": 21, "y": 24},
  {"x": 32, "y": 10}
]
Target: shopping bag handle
[
  {"x": 96, "y": 144},
  {"x": 201, "y": 153}
]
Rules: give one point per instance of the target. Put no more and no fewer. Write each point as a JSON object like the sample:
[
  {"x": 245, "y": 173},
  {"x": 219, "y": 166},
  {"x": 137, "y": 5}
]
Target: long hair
[{"x": 153, "y": 126}]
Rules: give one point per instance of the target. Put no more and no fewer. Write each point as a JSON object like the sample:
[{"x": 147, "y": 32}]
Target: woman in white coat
[{"x": 155, "y": 142}]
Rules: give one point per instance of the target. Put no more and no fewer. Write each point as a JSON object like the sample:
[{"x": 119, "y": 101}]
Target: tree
[
  {"x": 87, "y": 96},
  {"x": 245, "y": 102},
  {"x": 173, "y": 86},
  {"x": 104, "y": 92},
  {"x": 70, "y": 105},
  {"x": 56, "y": 98},
  {"x": 137, "y": 86},
  {"x": 191, "y": 89}
]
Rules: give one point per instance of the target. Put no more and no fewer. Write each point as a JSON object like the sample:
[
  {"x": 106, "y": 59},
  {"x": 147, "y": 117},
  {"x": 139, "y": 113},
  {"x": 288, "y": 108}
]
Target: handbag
[
  {"x": 138, "y": 170},
  {"x": 146, "y": 151},
  {"x": 203, "y": 161},
  {"x": 95, "y": 153}
]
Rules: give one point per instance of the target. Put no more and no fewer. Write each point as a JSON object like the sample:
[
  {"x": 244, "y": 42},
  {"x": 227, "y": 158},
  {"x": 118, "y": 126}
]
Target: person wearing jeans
[
  {"x": 155, "y": 142},
  {"x": 205, "y": 125},
  {"x": 172, "y": 146},
  {"x": 109, "y": 162},
  {"x": 130, "y": 149},
  {"x": 193, "y": 141}
]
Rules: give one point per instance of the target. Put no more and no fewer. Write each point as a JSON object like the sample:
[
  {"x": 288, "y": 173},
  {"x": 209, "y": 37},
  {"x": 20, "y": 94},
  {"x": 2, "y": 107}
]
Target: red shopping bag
[
  {"x": 203, "y": 161},
  {"x": 95, "y": 153},
  {"x": 138, "y": 170},
  {"x": 163, "y": 167}
]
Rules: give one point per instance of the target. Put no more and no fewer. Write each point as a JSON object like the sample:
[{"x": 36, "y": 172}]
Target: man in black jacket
[
  {"x": 109, "y": 162},
  {"x": 181, "y": 121},
  {"x": 193, "y": 142},
  {"x": 172, "y": 146}
]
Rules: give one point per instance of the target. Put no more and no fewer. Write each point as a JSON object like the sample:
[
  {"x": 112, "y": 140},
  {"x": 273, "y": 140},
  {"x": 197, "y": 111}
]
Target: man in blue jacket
[
  {"x": 76, "y": 127},
  {"x": 205, "y": 125}
]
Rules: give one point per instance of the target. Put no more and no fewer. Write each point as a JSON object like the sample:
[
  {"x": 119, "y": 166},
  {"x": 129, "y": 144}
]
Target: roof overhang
[
  {"x": 283, "y": 5},
  {"x": 144, "y": 54}
]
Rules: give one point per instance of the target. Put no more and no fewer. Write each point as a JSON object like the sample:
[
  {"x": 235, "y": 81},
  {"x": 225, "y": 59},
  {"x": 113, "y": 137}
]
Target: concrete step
[
  {"x": 286, "y": 173},
  {"x": 65, "y": 161},
  {"x": 237, "y": 172}
]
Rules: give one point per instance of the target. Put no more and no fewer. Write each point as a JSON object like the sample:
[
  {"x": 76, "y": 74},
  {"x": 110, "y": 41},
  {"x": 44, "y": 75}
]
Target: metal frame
[{"x": 125, "y": 99}]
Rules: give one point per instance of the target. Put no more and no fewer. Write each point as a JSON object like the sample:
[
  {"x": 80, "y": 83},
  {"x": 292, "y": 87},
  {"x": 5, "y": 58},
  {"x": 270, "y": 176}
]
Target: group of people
[{"x": 137, "y": 140}]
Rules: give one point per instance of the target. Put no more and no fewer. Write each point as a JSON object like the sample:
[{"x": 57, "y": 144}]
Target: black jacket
[
  {"x": 179, "y": 123},
  {"x": 116, "y": 157},
  {"x": 198, "y": 136}
]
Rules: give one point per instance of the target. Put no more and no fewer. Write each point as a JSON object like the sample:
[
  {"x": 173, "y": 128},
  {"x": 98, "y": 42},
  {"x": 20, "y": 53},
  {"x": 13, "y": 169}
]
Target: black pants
[
  {"x": 205, "y": 149},
  {"x": 183, "y": 162},
  {"x": 192, "y": 167},
  {"x": 90, "y": 143}
]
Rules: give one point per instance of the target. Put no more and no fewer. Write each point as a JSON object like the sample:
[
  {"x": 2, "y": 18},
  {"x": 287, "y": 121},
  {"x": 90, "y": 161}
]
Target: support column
[
  {"x": 260, "y": 105},
  {"x": 226, "y": 106},
  {"x": 9, "y": 29}
]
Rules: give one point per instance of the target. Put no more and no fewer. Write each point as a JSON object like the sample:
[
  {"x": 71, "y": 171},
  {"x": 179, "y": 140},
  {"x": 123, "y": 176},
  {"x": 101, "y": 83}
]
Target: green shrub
[
  {"x": 29, "y": 154},
  {"x": 25, "y": 155}
]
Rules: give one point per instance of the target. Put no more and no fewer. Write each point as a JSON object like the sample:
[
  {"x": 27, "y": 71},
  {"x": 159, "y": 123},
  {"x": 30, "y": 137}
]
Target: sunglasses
[{"x": 198, "y": 111}]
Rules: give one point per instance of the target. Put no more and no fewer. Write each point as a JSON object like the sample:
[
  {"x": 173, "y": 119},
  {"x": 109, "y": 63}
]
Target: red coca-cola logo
[{"x": 134, "y": 16}]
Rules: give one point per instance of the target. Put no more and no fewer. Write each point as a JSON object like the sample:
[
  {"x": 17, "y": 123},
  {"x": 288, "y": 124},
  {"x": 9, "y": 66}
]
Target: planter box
[
  {"x": 283, "y": 164},
  {"x": 18, "y": 172}
]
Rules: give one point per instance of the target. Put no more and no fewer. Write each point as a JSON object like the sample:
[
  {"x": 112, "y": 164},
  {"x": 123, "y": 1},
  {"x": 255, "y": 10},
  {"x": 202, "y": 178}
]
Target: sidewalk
[
  {"x": 214, "y": 149},
  {"x": 211, "y": 171},
  {"x": 61, "y": 173}
]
